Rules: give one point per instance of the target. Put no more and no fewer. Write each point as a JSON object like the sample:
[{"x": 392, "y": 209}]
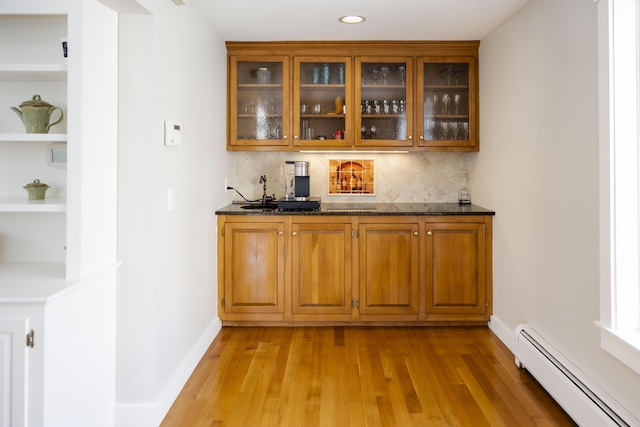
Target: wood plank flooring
[{"x": 361, "y": 376}]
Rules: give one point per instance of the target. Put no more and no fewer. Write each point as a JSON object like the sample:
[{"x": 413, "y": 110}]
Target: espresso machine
[{"x": 297, "y": 188}]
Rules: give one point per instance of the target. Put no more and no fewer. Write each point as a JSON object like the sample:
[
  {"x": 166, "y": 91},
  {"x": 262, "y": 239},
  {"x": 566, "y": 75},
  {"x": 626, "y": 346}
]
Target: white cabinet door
[{"x": 13, "y": 372}]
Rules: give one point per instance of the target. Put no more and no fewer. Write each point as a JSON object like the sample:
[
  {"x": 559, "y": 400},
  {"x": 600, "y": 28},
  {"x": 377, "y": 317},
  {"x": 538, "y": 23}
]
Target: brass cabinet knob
[
  {"x": 285, "y": 137},
  {"x": 410, "y": 138},
  {"x": 429, "y": 233},
  {"x": 421, "y": 137},
  {"x": 295, "y": 233},
  {"x": 280, "y": 232},
  {"x": 295, "y": 136},
  {"x": 415, "y": 233}
]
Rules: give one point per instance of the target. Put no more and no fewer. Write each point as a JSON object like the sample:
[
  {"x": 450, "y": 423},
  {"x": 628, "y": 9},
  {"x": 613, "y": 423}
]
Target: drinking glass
[
  {"x": 465, "y": 131},
  {"x": 374, "y": 75},
  {"x": 401, "y": 70},
  {"x": 446, "y": 100},
  {"x": 385, "y": 70},
  {"x": 445, "y": 130},
  {"x": 456, "y": 103},
  {"x": 455, "y": 128}
]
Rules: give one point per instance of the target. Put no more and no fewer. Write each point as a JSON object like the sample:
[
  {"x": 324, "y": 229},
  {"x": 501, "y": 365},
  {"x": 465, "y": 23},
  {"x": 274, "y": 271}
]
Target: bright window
[{"x": 620, "y": 179}]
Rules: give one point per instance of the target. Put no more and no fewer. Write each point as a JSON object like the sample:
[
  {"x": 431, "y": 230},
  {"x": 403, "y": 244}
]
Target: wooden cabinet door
[
  {"x": 384, "y": 101},
  {"x": 322, "y": 88},
  {"x": 456, "y": 270},
  {"x": 254, "y": 262},
  {"x": 388, "y": 269},
  {"x": 447, "y": 103},
  {"x": 258, "y": 110},
  {"x": 321, "y": 266}
]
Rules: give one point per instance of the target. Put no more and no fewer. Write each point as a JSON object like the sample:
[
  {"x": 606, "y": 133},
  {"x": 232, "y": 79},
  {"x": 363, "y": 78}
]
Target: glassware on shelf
[
  {"x": 456, "y": 103},
  {"x": 448, "y": 72},
  {"x": 325, "y": 75},
  {"x": 446, "y": 101},
  {"x": 455, "y": 128},
  {"x": 401, "y": 70},
  {"x": 444, "y": 126},
  {"x": 435, "y": 102},
  {"x": 385, "y": 70},
  {"x": 464, "y": 131},
  {"x": 374, "y": 75},
  {"x": 341, "y": 74}
]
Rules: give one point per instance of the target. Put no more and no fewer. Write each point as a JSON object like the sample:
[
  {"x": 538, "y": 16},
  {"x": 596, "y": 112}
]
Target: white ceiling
[{"x": 258, "y": 20}]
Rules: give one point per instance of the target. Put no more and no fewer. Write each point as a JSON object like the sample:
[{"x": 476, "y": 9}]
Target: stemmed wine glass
[
  {"x": 373, "y": 131},
  {"x": 401, "y": 70},
  {"x": 448, "y": 71},
  {"x": 465, "y": 131},
  {"x": 445, "y": 130},
  {"x": 374, "y": 75},
  {"x": 456, "y": 103},
  {"x": 455, "y": 128},
  {"x": 446, "y": 100},
  {"x": 384, "y": 70}
]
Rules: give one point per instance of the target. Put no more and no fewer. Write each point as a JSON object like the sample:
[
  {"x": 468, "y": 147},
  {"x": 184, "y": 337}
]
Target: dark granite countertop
[{"x": 373, "y": 209}]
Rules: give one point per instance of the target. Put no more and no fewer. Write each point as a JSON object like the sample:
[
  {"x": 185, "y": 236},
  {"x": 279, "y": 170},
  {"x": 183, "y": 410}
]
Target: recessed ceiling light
[{"x": 351, "y": 19}]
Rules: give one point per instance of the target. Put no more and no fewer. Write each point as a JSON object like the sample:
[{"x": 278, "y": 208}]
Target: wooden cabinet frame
[
  {"x": 414, "y": 53},
  {"x": 326, "y": 269}
]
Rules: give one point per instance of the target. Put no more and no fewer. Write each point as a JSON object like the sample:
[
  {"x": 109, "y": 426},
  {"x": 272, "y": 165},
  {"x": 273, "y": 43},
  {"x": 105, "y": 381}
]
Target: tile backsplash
[{"x": 399, "y": 178}]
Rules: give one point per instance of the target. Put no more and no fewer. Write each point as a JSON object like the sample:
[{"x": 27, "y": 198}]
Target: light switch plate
[
  {"x": 172, "y": 134},
  {"x": 57, "y": 155}
]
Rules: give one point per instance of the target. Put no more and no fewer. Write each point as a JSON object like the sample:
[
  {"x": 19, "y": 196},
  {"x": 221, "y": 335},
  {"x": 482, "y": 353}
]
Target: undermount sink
[{"x": 267, "y": 207}]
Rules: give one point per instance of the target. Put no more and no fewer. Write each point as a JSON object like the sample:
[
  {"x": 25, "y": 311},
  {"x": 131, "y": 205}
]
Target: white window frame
[{"x": 619, "y": 70}]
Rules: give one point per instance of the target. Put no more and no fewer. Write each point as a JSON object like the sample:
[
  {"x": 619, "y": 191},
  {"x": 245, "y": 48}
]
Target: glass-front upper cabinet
[
  {"x": 322, "y": 92},
  {"x": 259, "y": 101},
  {"x": 447, "y": 103},
  {"x": 384, "y": 102}
]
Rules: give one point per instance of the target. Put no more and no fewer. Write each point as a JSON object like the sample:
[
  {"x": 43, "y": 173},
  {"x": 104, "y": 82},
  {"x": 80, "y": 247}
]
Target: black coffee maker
[{"x": 298, "y": 197}]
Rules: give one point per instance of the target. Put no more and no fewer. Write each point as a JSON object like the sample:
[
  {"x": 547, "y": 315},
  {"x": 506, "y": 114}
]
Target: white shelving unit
[
  {"x": 58, "y": 256},
  {"x": 33, "y": 137},
  {"x": 32, "y": 63},
  {"x": 22, "y": 204},
  {"x": 33, "y": 72}
]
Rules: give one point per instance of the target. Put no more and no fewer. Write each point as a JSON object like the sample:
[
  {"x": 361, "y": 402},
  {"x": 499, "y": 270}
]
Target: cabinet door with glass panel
[
  {"x": 384, "y": 102},
  {"x": 447, "y": 103},
  {"x": 322, "y": 92},
  {"x": 259, "y": 101}
]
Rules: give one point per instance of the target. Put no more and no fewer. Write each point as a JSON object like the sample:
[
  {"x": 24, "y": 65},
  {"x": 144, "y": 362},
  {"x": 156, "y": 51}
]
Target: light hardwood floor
[{"x": 361, "y": 376}]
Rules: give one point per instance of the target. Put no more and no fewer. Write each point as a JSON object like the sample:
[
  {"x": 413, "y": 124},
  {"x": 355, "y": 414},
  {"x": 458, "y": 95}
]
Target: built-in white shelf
[
  {"x": 23, "y": 204},
  {"x": 33, "y": 137},
  {"x": 23, "y": 282},
  {"x": 27, "y": 72}
]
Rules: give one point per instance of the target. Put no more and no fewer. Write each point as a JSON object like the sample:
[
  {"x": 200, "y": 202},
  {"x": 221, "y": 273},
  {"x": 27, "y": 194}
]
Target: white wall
[
  {"x": 538, "y": 169},
  {"x": 172, "y": 67}
]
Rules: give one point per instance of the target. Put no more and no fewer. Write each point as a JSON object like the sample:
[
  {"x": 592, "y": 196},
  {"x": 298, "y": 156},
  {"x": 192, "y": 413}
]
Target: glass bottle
[{"x": 464, "y": 195}]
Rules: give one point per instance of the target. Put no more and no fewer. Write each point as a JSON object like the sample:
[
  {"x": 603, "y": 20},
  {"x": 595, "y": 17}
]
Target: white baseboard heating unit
[{"x": 586, "y": 403}]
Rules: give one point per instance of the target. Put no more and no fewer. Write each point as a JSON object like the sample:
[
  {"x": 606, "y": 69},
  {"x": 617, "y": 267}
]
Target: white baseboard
[
  {"x": 505, "y": 334},
  {"x": 152, "y": 414}
]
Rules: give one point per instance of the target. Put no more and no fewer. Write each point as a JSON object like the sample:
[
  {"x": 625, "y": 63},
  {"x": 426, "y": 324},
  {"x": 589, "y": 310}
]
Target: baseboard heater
[{"x": 578, "y": 396}]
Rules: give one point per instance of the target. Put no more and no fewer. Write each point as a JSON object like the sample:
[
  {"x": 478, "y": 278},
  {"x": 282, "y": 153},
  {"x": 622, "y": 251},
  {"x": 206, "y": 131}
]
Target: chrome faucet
[{"x": 263, "y": 181}]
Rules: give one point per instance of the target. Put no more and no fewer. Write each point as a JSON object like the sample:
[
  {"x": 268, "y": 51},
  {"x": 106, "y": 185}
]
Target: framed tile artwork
[{"x": 351, "y": 178}]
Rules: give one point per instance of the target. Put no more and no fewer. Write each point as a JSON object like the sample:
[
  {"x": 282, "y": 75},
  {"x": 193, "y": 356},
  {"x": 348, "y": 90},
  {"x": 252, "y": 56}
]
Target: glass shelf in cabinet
[
  {"x": 321, "y": 86},
  {"x": 322, "y": 116},
  {"x": 447, "y": 87}
]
